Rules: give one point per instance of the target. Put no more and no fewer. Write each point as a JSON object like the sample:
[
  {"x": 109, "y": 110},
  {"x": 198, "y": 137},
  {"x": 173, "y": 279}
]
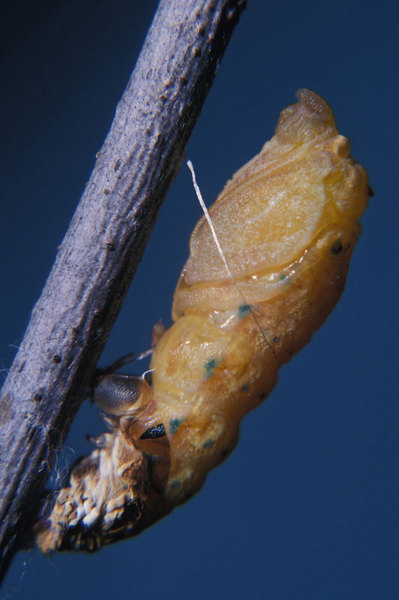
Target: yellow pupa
[{"x": 287, "y": 223}]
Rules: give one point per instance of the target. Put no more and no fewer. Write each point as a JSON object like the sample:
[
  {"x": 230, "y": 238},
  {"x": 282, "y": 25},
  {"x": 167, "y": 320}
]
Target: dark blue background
[{"x": 307, "y": 505}]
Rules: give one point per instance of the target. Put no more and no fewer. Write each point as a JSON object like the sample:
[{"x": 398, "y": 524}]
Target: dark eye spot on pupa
[
  {"x": 336, "y": 247},
  {"x": 174, "y": 425},
  {"x": 208, "y": 444},
  {"x": 210, "y": 367},
  {"x": 243, "y": 310}
]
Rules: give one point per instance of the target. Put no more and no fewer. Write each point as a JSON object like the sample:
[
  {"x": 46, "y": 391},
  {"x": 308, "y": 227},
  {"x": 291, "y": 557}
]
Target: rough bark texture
[{"x": 102, "y": 248}]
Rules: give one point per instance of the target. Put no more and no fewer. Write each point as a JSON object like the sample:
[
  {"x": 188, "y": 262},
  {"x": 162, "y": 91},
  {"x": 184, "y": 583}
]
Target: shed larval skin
[{"x": 287, "y": 224}]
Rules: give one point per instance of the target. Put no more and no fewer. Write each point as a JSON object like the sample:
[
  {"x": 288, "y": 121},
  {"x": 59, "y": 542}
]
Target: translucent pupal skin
[{"x": 287, "y": 223}]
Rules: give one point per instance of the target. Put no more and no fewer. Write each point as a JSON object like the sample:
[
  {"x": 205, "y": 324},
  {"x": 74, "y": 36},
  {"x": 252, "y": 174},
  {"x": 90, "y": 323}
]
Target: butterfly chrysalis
[{"x": 287, "y": 223}]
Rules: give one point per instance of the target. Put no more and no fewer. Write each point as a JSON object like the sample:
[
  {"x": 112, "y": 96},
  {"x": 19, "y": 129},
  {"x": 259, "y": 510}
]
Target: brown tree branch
[{"x": 102, "y": 248}]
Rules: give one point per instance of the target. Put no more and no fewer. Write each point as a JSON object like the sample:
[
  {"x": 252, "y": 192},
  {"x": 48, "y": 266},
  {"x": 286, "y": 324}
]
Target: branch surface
[{"x": 102, "y": 248}]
